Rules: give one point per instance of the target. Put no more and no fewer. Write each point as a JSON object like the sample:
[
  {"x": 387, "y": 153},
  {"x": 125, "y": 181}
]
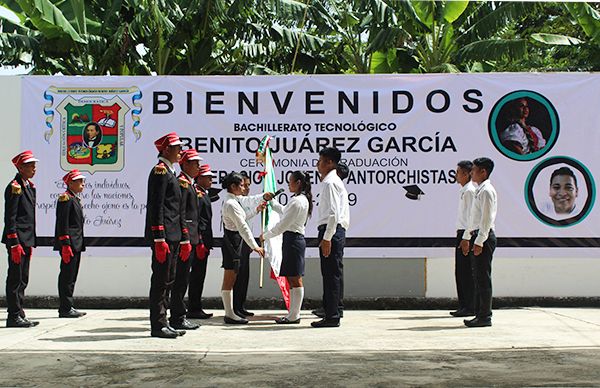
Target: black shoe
[
  {"x": 321, "y": 313},
  {"x": 71, "y": 314},
  {"x": 200, "y": 314},
  {"x": 231, "y": 321},
  {"x": 286, "y": 321},
  {"x": 246, "y": 313},
  {"x": 184, "y": 325},
  {"x": 32, "y": 323},
  {"x": 326, "y": 323},
  {"x": 19, "y": 322},
  {"x": 239, "y": 313},
  {"x": 163, "y": 332},
  {"x": 478, "y": 322},
  {"x": 180, "y": 333},
  {"x": 462, "y": 313}
]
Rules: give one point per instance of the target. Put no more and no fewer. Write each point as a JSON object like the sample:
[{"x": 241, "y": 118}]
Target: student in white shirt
[
  {"x": 462, "y": 263},
  {"x": 294, "y": 217},
  {"x": 235, "y": 230},
  {"x": 333, "y": 221},
  {"x": 479, "y": 237}
]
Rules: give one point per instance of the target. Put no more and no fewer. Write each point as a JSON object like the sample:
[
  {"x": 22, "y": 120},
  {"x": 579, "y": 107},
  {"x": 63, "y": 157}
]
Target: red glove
[
  {"x": 66, "y": 253},
  {"x": 16, "y": 253},
  {"x": 161, "y": 249},
  {"x": 201, "y": 251},
  {"x": 184, "y": 251}
]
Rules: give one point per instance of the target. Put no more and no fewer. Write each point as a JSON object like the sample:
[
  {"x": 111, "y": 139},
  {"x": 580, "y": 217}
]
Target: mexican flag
[{"x": 270, "y": 218}]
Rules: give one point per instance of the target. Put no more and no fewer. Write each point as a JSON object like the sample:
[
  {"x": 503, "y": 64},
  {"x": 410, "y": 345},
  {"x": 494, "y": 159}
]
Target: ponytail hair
[
  {"x": 305, "y": 187},
  {"x": 231, "y": 179}
]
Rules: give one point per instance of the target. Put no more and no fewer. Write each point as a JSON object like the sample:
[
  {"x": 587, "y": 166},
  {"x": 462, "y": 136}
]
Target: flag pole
[{"x": 262, "y": 245}]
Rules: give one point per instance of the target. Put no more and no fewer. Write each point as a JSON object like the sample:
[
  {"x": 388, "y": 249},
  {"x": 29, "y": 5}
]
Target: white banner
[{"x": 395, "y": 131}]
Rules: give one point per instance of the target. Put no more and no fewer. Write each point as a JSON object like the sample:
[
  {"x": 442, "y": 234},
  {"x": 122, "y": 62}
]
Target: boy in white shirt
[
  {"x": 479, "y": 240},
  {"x": 333, "y": 221}
]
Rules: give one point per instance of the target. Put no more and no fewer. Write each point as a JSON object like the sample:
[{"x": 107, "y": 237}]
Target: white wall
[{"x": 365, "y": 277}]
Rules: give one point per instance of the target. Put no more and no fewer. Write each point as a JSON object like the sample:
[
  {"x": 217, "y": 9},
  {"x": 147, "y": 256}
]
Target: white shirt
[
  {"x": 234, "y": 219},
  {"x": 516, "y": 133},
  {"x": 334, "y": 207},
  {"x": 548, "y": 209},
  {"x": 465, "y": 201},
  {"x": 250, "y": 203},
  {"x": 294, "y": 216},
  {"x": 483, "y": 213}
]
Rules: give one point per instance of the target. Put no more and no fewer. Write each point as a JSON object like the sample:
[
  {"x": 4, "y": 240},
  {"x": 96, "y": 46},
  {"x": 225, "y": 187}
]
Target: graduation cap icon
[
  {"x": 413, "y": 192},
  {"x": 213, "y": 194}
]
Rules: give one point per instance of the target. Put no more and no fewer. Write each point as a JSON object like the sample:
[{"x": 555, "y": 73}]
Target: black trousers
[
  {"x": 332, "y": 272},
  {"x": 240, "y": 288},
  {"x": 66, "y": 282},
  {"x": 196, "y": 283},
  {"x": 180, "y": 286},
  {"x": 161, "y": 282},
  {"x": 482, "y": 275},
  {"x": 17, "y": 278},
  {"x": 463, "y": 274}
]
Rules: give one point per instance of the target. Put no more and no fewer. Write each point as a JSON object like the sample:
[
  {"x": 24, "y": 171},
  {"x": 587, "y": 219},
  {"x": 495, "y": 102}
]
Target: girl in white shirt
[
  {"x": 235, "y": 229},
  {"x": 292, "y": 223}
]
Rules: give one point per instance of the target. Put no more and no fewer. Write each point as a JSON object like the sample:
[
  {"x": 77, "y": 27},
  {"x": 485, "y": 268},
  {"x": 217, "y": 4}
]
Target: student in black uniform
[
  {"x": 190, "y": 167},
  {"x": 19, "y": 236},
  {"x": 202, "y": 251},
  {"x": 164, "y": 231},
  {"x": 69, "y": 241},
  {"x": 294, "y": 217}
]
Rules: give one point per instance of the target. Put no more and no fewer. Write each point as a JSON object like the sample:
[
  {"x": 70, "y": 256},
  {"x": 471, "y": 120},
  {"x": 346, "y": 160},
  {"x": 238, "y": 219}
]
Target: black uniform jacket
[
  {"x": 163, "y": 207},
  {"x": 19, "y": 214},
  {"x": 189, "y": 203},
  {"x": 69, "y": 223},
  {"x": 205, "y": 222}
]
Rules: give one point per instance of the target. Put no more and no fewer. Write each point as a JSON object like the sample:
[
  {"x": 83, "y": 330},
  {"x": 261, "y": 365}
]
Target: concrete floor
[{"x": 525, "y": 347}]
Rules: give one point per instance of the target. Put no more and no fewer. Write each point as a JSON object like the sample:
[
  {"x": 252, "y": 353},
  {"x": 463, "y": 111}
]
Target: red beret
[
  {"x": 190, "y": 154},
  {"x": 169, "y": 139},
  {"x": 24, "y": 157},
  {"x": 73, "y": 175},
  {"x": 205, "y": 170}
]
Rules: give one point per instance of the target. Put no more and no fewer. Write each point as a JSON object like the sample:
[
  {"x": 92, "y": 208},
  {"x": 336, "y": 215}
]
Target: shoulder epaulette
[
  {"x": 183, "y": 182},
  {"x": 64, "y": 197},
  {"x": 200, "y": 194},
  {"x": 16, "y": 187},
  {"x": 160, "y": 169}
]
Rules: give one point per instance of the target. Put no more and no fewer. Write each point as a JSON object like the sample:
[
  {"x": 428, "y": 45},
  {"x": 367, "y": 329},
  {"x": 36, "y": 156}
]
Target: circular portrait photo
[
  {"x": 560, "y": 191},
  {"x": 523, "y": 125},
  {"x": 92, "y": 135}
]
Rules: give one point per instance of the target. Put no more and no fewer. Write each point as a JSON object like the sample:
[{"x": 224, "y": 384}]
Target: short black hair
[
  {"x": 485, "y": 163},
  {"x": 244, "y": 175},
  {"x": 466, "y": 165},
  {"x": 342, "y": 170},
  {"x": 564, "y": 171},
  {"x": 331, "y": 153},
  {"x": 233, "y": 178}
]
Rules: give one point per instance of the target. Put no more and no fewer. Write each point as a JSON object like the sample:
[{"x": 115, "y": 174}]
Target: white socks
[
  {"x": 296, "y": 297},
  {"x": 227, "y": 296}
]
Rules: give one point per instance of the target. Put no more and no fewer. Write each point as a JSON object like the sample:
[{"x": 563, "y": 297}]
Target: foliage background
[{"x": 140, "y": 37}]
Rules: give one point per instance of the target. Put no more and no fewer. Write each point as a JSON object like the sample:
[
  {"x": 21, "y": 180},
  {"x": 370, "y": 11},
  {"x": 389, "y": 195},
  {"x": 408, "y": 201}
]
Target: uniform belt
[{"x": 324, "y": 226}]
